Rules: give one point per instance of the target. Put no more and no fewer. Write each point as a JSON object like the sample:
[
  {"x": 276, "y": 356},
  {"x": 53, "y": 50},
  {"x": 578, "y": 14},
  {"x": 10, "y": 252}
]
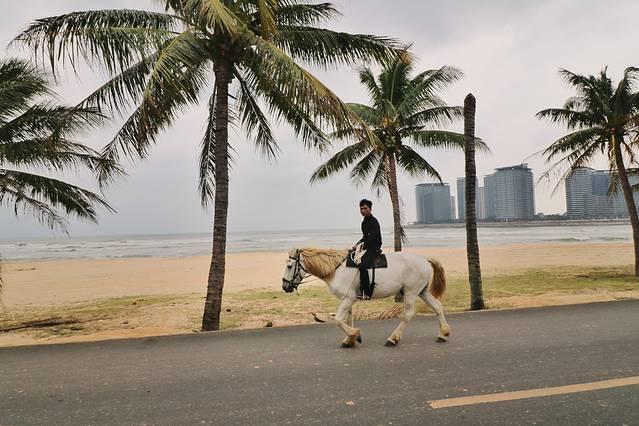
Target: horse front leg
[
  {"x": 344, "y": 315},
  {"x": 409, "y": 313}
]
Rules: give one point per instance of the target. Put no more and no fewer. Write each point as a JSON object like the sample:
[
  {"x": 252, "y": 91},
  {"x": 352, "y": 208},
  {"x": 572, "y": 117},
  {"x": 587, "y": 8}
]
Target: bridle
[{"x": 298, "y": 267}]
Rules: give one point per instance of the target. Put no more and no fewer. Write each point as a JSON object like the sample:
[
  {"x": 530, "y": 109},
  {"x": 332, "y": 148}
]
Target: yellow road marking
[{"x": 533, "y": 393}]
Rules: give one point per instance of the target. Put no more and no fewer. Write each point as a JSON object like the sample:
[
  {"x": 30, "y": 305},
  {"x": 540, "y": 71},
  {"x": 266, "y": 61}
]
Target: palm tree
[
  {"x": 37, "y": 134},
  {"x": 472, "y": 245},
  {"x": 403, "y": 109},
  {"x": 163, "y": 62},
  {"x": 603, "y": 118}
]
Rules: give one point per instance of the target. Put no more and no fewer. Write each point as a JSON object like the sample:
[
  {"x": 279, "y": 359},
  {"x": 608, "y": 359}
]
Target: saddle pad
[{"x": 380, "y": 261}]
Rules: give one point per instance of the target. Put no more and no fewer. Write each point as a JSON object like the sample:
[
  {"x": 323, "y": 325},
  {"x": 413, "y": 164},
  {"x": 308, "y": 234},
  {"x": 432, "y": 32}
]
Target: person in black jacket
[{"x": 372, "y": 239}]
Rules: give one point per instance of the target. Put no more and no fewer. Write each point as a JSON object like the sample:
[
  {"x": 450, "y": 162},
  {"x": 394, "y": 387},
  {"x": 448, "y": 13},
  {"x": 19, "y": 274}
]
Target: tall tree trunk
[
  {"x": 628, "y": 195},
  {"x": 472, "y": 245},
  {"x": 213, "y": 304},
  {"x": 394, "y": 195}
]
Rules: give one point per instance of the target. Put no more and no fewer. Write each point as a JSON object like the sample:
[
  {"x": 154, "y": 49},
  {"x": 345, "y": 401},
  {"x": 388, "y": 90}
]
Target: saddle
[{"x": 380, "y": 261}]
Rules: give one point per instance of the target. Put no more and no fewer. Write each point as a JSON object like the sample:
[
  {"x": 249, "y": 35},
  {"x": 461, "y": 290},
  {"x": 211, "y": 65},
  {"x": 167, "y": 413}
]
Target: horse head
[{"x": 294, "y": 271}]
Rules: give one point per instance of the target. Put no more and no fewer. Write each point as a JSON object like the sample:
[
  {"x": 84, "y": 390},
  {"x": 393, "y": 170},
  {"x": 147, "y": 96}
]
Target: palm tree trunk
[
  {"x": 472, "y": 245},
  {"x": 628, "y": 196},
  {"x": 213, "y": 304},
  {"x": 394, "y": 195}
]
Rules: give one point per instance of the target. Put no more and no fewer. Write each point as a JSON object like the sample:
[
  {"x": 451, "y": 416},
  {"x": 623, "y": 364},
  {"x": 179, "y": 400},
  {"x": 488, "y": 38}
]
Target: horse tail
[{"x": 438, "y": 286}]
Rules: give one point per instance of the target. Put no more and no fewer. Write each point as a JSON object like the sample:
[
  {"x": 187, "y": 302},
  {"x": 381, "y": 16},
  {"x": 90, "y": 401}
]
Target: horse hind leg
[
  {"x": 409, "y": 313},
  {"x": 436, "y": 306}
]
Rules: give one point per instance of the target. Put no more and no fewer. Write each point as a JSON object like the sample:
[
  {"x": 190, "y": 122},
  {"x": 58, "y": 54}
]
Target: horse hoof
[
  {"x": 359, "y": 338},
  {"x": 346, "y": 345},
  {"x": 441, "y": 339},
  {"x": 390, "y": 342}
]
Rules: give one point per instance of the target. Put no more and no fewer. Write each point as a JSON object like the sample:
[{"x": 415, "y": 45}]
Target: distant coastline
[{"x": 528, "y": 224}]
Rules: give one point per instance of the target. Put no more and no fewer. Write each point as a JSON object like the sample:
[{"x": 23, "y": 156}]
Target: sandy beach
[{"x": 45, "y": 283}]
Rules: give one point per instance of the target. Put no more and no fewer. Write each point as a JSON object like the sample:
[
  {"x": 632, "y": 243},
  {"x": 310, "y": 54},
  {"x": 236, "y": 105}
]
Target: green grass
[{"x": 256, "y": 308}]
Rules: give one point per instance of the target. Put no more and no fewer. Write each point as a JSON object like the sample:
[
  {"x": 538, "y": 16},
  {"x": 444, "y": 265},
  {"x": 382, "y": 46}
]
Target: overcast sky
[{"x": 509, "y": 51}]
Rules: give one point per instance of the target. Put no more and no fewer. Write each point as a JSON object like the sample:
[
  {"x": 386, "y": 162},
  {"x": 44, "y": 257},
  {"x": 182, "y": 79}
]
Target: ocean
[{"x": 183, "y": 245}]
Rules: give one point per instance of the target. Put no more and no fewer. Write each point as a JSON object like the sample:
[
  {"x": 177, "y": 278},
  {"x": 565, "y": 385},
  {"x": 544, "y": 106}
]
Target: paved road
[{"x": 299, "y": 375}]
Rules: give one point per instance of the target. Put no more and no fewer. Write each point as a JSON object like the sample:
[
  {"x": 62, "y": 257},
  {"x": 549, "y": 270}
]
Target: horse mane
[{"x": 322, "y": 262}]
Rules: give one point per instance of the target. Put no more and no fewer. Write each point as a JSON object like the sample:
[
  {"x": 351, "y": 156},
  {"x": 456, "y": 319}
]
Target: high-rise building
[
  {"x": 453, "y": 211},
  {"x": 514, "y": 193},
  {"x": 461, "y": 198},
  {"x": 588, "y": 197},
  {"x": 580, "y": 191},
  {"x": 489, "y": 196},
  {"x": 433, "y": 202},
  {"x": 481, "y": 203}
]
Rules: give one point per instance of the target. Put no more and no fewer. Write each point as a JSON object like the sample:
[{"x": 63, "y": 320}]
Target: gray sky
[{"x": 510, "y": 53}]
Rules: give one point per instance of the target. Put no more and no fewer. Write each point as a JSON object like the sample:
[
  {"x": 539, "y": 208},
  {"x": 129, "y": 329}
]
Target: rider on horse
[{"x": 372, "y": 239}]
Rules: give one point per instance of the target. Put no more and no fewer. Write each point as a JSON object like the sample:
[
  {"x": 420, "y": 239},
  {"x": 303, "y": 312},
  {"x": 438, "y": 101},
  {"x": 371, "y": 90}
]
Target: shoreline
[{"x": 523, "y": 223}]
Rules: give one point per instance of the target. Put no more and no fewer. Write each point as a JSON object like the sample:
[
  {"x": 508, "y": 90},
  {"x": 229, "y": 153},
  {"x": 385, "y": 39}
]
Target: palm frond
[
  {"x": 21, "y": 83},
  {"x": 175, "y": 82},
  {"x": 206, "y": 181},
  {"x": 574, "y": 142},
  {"x": 116, "y": 39},
  {"x": 572, "y": 119},
  {"x": 435, "y": 117},
  {"x": 421, "y": 91},
  {"x": 295, "y": 88},
  {"x": 340, "y": 161},
  {"x": 211, "y": 14},
  {"x": 40, "y": 196},
  {"x": 304, "y": 124},
  {"x": 294, "y": 13},
  {"x": 254, "y": 120},
  {"x": 124, "y": 90},
  {"x": 380, "y": 179},
  {"x": 441, "y": 139},
  {"x": 367, "y": 114},
  {"x": 367, "y": 78},
  {"x": 414, "y": 164},
  {"x": 325, "y": 48}
]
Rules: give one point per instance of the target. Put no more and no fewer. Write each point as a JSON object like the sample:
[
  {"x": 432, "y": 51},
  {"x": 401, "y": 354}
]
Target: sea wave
[{"x": 145, "y": 246}]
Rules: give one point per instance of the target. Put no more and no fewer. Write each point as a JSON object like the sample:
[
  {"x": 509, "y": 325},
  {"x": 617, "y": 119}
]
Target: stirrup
[{"x": 363, "y": 296}]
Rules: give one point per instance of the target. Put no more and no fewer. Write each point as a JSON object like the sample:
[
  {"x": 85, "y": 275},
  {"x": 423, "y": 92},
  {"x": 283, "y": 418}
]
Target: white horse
[{"x": 415, "y": 275}]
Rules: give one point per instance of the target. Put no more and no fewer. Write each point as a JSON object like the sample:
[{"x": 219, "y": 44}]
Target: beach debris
[
  {"x": 50, "y": 322},
  {"x": 316, "y": 318}
]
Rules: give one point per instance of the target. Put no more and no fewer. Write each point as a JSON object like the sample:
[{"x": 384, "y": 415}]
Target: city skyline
[{"x": 507, "y": 194}]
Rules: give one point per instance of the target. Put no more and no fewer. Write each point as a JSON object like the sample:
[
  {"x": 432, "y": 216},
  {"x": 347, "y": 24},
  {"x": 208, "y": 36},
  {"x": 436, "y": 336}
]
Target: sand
[{"x": 45, "y": 283}]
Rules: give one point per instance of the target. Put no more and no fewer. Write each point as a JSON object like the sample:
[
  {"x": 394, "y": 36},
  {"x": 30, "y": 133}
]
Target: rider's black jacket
[{"x": 371, "y": 233}]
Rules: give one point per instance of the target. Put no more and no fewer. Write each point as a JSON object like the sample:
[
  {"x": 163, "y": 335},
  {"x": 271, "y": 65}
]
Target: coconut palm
[
  {"x": 404, "y": 114},
  {"x": 603, "y": 118},
  {"x": 37, "y": 134},
  {"x": 472, "y": 244},
  {"x": 163, "y": 62}
]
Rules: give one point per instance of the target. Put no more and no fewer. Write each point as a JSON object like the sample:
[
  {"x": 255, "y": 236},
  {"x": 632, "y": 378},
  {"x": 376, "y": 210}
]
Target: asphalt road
[{"x": 299, "y": 375}]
